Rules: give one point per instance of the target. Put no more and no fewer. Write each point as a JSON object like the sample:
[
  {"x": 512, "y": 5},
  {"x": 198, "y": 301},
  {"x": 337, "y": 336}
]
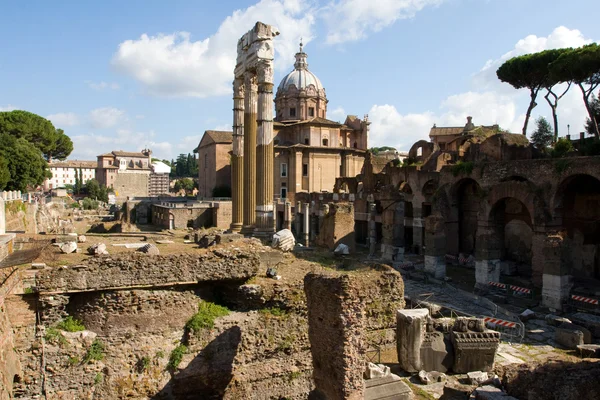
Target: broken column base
[
  {"x": 435, "y": 266},
  {"x": 389, "y": 387},
  {"x": 555, "y": 290},
  {"x": 392, "y": 253},
  {"x": 486, "y": 271}
]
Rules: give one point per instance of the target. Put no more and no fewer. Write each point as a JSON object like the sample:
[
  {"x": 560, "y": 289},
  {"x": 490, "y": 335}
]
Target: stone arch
[
  {"x": 462, "y": 222},
  {"x": 426, "y": 150},
  {"x": 577, "y": 210},
  {"x": 511, "y": 235},
  {"x": 404, "y": 187}
]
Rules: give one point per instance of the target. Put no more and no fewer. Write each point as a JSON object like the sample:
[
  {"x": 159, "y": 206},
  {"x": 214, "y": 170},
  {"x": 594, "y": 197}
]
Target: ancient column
[
  {"x": 298, "y": 220},
  {"x": 237, "y": 157},
  {"x": 287, "y": 216},
  {"x": 372, "y": 229},
  {"x": 250, "y": 110},
  {"x": 306, "y": 231},
  {"x": 264, "y": 151}
]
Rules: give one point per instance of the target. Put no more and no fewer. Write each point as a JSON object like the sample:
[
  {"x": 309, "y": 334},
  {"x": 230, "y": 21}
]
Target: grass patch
[
  {"x": 420, "y": 393},
  {"x": 274, "y": 311},
  {"x": 205, "y": 317},
  {"x": 462, "y": 168},
  {"x": 28, "y": 290},
  {"x": 73, "y": 360},
  {"x": 176, "y": 357},
  {"x": 160, "y": 354},
  {"x": 561, "y": 166},
  {"x": 286, "y": 344},
  {"x": 70, "y": 324},
  {"x": 53, "y": 335},
  {"x": 95, "y": 352},
  {"x": 294, "y": 375},
  {"x": 143, "y": 364},
  {"x": 98, "y": 379}
]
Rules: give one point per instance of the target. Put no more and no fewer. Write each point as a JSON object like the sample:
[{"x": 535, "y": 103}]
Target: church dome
[{"x": 300, "y": 77}]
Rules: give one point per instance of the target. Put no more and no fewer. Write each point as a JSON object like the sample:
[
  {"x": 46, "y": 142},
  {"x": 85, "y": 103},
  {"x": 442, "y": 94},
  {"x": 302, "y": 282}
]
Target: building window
[
  {"x": 304, "y": 169},
  {"x": 283, "y": 170},
  {"x": 325, "y": 142},
  {"x": 293, "y": 112},
  {"x": 355, "y": 145},
  {"x": 311, "y": 111},
  {"x": 306, "y": 142},
  {"x": 283, "y": 190}
]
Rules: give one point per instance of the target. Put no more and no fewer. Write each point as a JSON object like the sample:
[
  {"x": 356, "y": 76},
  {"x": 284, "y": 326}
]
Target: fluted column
[
  {"x": 264, "y": 152},
  {"x": 249, "y": 194},
  {"x": 237, "y": 157}
]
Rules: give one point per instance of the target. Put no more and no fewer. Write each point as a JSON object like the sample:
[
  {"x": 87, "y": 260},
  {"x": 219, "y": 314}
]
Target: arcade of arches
[{"x": 525, "y": 222}]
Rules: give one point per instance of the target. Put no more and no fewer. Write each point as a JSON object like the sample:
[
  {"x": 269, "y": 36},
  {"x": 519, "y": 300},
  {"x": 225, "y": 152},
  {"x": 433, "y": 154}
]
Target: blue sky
[{"x": 129, "y": 74}]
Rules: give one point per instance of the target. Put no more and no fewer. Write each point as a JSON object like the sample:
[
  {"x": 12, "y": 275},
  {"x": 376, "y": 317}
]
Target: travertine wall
[
  {"x": 138, "y": 269},
  {"x": 337, "y": 227},
  {"x": 131, "y": 184}
]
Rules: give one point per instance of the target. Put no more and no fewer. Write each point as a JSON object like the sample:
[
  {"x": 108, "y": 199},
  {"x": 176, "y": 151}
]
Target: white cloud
[
  {"x": 559, "y": 38},
  {"x": 63, "y": 119},
  {"x": 189, "y": 143},
  {"x": 494, "y": 103},
  {"x": 337, "y": 114},
  {"x": 8, "y": 107},
  {"x": 103, "y": 85},
  {"x": 90, "y": 145},
  {"x": 350, "y": 20},
  {"x": 175, "y": 65},
  {"x": 106, "y": 117}
]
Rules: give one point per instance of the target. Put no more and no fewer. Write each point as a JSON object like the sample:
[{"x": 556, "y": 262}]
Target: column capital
[
  {"x": 264, "y": 71},
  {"x": 250, "y": 83},
  {"x": 238, "y": 88}
]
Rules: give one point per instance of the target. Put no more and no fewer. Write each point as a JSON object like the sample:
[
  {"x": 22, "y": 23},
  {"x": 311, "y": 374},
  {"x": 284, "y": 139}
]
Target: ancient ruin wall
[
  {"x": 139, "y": 269},
  {"x": 9, "y": 362},
  {"x": 337, "y": 226}
]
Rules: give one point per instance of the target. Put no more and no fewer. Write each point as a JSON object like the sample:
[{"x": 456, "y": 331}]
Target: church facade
[{"x": 310, "y": 151}]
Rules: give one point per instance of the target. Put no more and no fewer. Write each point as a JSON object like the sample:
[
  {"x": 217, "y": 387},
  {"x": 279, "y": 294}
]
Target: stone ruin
[
  {"x": 337, "y": 323},
  {"x": 459, "y": 345}
]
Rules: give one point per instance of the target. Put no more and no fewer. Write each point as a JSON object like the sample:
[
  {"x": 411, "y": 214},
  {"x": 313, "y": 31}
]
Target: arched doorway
[
  {"x": 577, "y": 203},
  {"x": 513, "y": 228}
]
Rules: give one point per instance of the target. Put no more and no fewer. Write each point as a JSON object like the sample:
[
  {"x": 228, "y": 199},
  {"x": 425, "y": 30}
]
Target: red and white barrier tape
[
  {"x": 520, "y": 289},
  {"x": 497, "y": 284},
  {"x": 500, "y": 322},
  {"x": 585, "y": 299}
]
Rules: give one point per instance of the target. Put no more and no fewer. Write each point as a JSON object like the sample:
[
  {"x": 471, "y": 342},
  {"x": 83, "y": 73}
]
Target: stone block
[
  {"x": 68, "y": 247},
  {"x": 478, "y": 377},
  {"x": 555, "y": 320},
  {"x": 390, "y": 387},
  {"x": 436, "y": 353},
  {"x": 555, "y": 290},
  {"x": 568, "y": 337},
  {"x": 284, "y": 240},
  {"x": 526, "y": 315},
  {"x": 589, "y": 350},
  {"x": 587, "y": 335},
  {"x": 474, "y": 351},
  {"x": 589, "y": 321},
  {"x": 465, "y": 324},
  {"x": 429, "y": 378},
  {"x": 435, "y": 266},
  {"x": 411, "y": 325},
  {"x": 491, "y": 393},
  {"x": 149, "y": 249},
  {"x": 375, "y": 371},
  {"x": 97, "y": 249}
]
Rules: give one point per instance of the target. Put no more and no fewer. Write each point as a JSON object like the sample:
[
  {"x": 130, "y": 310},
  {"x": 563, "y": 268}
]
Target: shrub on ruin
[
  {"x": 176, "y": 357},
  {"x": 143, "y": 364},
  {"x": 53, "y": 335},
  {"x": 89, "y": 204},
  {"x": 273, "y": 311},
  {"x": 70, "y": 324},
  {"x": 205, "y": 317},
  {"x": 561, "y": 148},
  {"x": 95, "y": 352},
  {"x": 462, "y": 167}
]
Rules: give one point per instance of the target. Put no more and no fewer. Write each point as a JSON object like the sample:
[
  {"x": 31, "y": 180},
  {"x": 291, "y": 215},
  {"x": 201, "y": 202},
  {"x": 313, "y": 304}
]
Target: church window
[
  {"x": 325, "y": 142},
  {"x": 311, "y": 111},
  {"x": 304, "y": 169},
  {"x": 283, "y": 170},
  {"x": 306, "y": 142},
  {"x": 283, "y": 190},
  {"x": 355, "y": 145},
  {"x": 293, "y": 112}
]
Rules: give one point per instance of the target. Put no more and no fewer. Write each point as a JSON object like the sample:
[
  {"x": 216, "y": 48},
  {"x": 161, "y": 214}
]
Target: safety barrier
[
  {"x": 466, "y": 261},
  {"x": 511, "y": 290},
  {"x": 450, "y": 258},
  {"x": 584, "y": 303},
  {"x": 508, "y": 329}
]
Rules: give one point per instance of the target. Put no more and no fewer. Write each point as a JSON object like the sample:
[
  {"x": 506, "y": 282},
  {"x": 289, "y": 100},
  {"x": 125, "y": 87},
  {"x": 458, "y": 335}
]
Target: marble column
[
  {"x": 298, "y": 220},
  {"x": 237, "y": 157},
  {"x": 250, "y": 111},
  {"x": 372, "y": 229},
  {"x": 287, "y": 216},
  {"x": 306, "y": 231},
  {"x": 264, "y": 152}
]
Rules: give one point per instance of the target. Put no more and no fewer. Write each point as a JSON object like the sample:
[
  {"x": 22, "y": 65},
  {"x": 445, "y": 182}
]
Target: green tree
[
  {"x": 561, "y": 148},
  {"x": 377, "y": 150},
  {"x": 92, "y": 187},
  {"x": 581, "y": 66},
  {"x": 4, "y": 172},
  {"x": 38, "y": 131},
  {"x": 186, "y": 184},
  {"x": 524, "y": 72},
  {"x": 542, "y": 136},
  {"x": 25, "y": 163}
]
